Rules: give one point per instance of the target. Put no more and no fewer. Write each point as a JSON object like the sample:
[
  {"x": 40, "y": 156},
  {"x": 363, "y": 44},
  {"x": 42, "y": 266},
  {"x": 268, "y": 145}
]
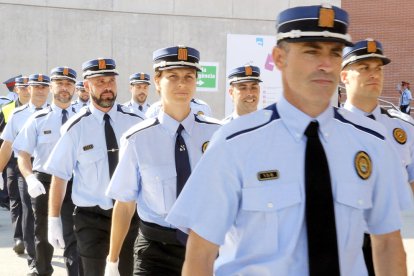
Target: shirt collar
[
  {"x": 98, "y": 114},
  {"x": 376, "y": 112},
  {"x": 296, "y": 121},
  {"x": 33, "y": 107},
  {"x": 172, "y": 125}
]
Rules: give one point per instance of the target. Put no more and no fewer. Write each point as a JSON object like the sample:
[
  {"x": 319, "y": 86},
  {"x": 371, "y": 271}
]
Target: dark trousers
[
  {"x": 405, "y": 109},
  {"x": 71, "y": 252},
  {"x": 92, "y": 230},
  {"x": 15, "y": 201},
  {"x": 367, "y": 250},
  {"x": 27, "y": 220},
  {"x": 154, "y": 257}
]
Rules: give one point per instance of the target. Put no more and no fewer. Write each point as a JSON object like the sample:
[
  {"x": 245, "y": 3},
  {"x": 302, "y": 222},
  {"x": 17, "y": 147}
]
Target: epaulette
[
  {"x": 120, "y": 109},
  {"x": 43, "y": 112},
  {"x": 206, "y": 120},
  {"x": 78, "y": 117},
  {"x": 141, "y": 126},
  {"x": 392, "y": 113},
  {"x": 20, "y": 108},
  {"x": 198, "y": 101}
]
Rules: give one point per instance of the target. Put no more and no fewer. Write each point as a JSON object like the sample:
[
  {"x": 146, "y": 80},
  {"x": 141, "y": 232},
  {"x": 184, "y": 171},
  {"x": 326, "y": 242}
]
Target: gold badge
[
  {"x": 142, "y": 76},
  {"x": 363, "y": 165},
  {"x": 25, "y": 80},
  {"x": 40, "y": 78},
  {"x": 400, "y": 136},
  {"x": 182, "y": 54},
  {"x": 200, "y": 113},
  {"x": 371, "y": 46},
  {"x": 268, "y": 175},
  {"x": 101, "y": 64},
  {"x": 248, "y": 70},
  {"x": 204, "y": 146},
  {"x": 326, "y": 18},
  {"x": 88, "y": 147},
  {"x": 65, "y": 71}
]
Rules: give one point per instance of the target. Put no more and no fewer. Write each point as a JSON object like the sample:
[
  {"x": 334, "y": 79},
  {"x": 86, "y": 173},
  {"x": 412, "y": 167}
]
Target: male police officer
[
  {"x": 83, "y": 96},
  {"x": 406, "y": 97},
  {"x": 139, "y": 86},
  {"x": 39, "y": 91},
  {"x": 244, "y": 90},
  {"x": 12, "y": 95},
  {"x": 363, "y": 77},
  {"x": 37, "y": 138},
  {"x": 291, "y": 180},
  {"x": 22, "y": 90},
  {"x": 88, "y": 148}
]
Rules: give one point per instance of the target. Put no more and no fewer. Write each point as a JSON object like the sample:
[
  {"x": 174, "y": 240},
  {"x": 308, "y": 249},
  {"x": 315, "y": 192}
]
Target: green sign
[{"x": 208, "y": 77}]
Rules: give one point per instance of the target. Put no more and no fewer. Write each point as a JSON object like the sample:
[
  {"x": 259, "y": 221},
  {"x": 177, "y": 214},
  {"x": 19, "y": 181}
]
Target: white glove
[
  {"x": 34, "y": 187},
  {"x": 1, "y": 181},
  {"x": 111, "y": 269},
  {"x": 55, "y": 233}
]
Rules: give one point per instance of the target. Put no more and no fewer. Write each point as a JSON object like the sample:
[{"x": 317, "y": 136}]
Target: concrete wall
[{"x": 38, "y": 35}]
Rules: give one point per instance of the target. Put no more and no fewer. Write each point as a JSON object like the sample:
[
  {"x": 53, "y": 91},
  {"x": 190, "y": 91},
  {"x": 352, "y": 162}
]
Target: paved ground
[{"x": 13, "y": 265}]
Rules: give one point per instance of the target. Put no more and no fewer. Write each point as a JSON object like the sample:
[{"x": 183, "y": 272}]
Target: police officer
[
  {"x": 363, "y": 77},
  {"x": 139, "y": 86},
  {"x": 406, "y": 98},
  {"x": 37, "y": 138},
  {"x": 39, "y": 91},
  {"x": 244, "y": 90},
  {"x": 12, "y": 95},
  {"x": 21, "y": 88},
  {"x": 88, "y": 147},
  {"x": 291, "y": 180},
  {"x": 198, "y": 107},
  {"x": 83, "y": 96},
  {"x": 151, "y": 183}
]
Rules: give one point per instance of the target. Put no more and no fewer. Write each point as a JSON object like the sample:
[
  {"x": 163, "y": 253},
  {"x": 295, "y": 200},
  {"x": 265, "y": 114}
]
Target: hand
[
  {"x": 111, "y": 269},
  {"x": 34, "y": 187},
  {"x": 1, "y": 181},
  {"x": 55, "y": 233}
]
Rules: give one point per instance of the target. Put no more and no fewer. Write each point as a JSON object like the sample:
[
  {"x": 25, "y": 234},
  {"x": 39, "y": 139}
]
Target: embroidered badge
[
  {"x": 363, "y": 165},
  {"x": 326, "y": 18},
  {"x": 268, "y": 175},
  {"x": 47, "y": 132},
  {"x": 88, "y": 147},
  {"x": 200, "y": 113},
  {"x": 399, "y": 135},
  {"x": 204, "y": 146}
]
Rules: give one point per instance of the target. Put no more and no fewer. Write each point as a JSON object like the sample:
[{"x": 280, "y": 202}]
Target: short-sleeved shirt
[
  {"x": 406, "y": 97},
  {"x": 198, "y": 107},
  {"x": 81, "y": 151},
  {"x": 247, "y": 193},
  {"x": 40, "y": 134},
  {"x": 78, "y": 104},
  {"x": 146, "y": 171},
  {"x": 134, "y": 107}
]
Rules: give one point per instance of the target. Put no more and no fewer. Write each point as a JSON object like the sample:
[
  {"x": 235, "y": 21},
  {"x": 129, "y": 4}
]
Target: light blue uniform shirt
[
  {"x": 146, "y": 172},
  {"x": 197, "y": 107},
  {"x": 81, "y": 150},
  {"x": 78, "y": 104},
  {"x": 40, "y": 134},
  {"x": 17, "y": 120},
  {"x": 406, "y": 97},
  {"x": 134, "y": 108},
  {"x": 260, "y": 221}
]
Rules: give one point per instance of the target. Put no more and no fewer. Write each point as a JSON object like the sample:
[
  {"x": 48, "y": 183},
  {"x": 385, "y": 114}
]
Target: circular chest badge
[
  {"x": 200, "y": 113},
  {"x": 399, "y": 135},
  {"x": 363, "y": 165},
  {"x": 204, "y": 146}
]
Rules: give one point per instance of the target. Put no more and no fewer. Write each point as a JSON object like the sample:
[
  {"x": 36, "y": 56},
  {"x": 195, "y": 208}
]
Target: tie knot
[
  {"x": 312, "y": 129},
  {"x": 107, "y": 117},
  {"x": 179, "y": 129},
  {"x": 371, "y": 116},
  {"x": 64, "y": 112}
]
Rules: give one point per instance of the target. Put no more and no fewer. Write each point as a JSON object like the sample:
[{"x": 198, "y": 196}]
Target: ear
[
  {"x": 86, "y": 85},
  {"x": 157, "y": 82},
  {"x": 231, "y": 90},
  {"x": 344, "y": 76},
  {"x": 279, "y": 57}
]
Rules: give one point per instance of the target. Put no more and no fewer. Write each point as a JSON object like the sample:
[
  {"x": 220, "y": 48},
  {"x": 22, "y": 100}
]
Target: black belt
[
  {"x": 43, "y": 177},
  {"x": 159, "y": 233}
]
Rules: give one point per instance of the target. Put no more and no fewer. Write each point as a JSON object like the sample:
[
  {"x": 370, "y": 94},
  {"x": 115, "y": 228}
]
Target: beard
[
  {"x": 105, "y": 100},
  {"x": 62, "y": 97}
]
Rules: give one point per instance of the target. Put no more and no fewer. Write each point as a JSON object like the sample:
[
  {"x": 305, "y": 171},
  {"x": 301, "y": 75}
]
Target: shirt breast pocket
[
  {"x": 48, "y": 139},
  {"x": 159, "y": 188},
  {"x": 267, "y": 207},
  {"x": 353, "y": 198},
  {"x": 90, "y": 164}
]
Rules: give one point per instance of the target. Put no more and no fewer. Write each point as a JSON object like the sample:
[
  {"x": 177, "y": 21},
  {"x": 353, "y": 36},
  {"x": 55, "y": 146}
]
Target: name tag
[
  {"x": 268, "y": 175},
  {"x": 88, "y": 147},
  {"x": 47, "y": 132}
]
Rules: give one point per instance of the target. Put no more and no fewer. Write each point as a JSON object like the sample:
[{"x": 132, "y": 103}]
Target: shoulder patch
[
  {"x": 119, "y": 108},
  {"x": 151, "y": 122},
  {"x": 275, "y": 116},
  {"x": 362, "y": 128},
  {"x": 86, "y": 114}
]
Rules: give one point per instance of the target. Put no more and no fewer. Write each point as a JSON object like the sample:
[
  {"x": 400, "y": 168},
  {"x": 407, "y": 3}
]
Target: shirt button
[
  {"x": 270, "y": 205},
  {"x": 360, "y": 201}
]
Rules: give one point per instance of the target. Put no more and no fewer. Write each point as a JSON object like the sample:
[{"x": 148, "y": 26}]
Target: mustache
[{"x": 324, "y": 76}]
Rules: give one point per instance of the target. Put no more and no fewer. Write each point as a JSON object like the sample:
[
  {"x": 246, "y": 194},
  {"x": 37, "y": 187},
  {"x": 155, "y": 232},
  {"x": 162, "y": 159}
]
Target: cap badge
[
  {"x": 326, "y": 17},
  {"x": 40, "y": 77},
  {"x": 204, "y": 146},
  {"x": 363, "y": 165},
  {"x": 248, "y": 70},
  {"x": 142, "y": 76},
  {"x": 101, "y": 64},
  {"x": 182, "y": 54},
  {"x": 268, "y": 175},
  {"x": 65, "y": 71},
  {"x": 371, "y": 46},
  {"x": 25, "y": 80},
  {"x": 400, "y": 136}
]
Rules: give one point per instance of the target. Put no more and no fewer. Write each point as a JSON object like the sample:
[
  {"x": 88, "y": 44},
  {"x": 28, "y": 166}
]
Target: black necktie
[
  {"x": 64, "y": 116},
  {"x": 183, "y": 169},
  {"x": 320, "y": 214},
  {"x": 140, "y": 108},
  {"x": 371, "y": 116},
  {"x": 111, "y": 145}
]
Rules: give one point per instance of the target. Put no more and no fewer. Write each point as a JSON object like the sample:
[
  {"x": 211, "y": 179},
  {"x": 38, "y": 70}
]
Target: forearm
[
  {"x": 121, "y": 221},
  {"x": 25, "y": 164},
  {"x": 389, "y": 255},
  {"x": 5, "y": 154},
  {"x": 56, "y": 195}
]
